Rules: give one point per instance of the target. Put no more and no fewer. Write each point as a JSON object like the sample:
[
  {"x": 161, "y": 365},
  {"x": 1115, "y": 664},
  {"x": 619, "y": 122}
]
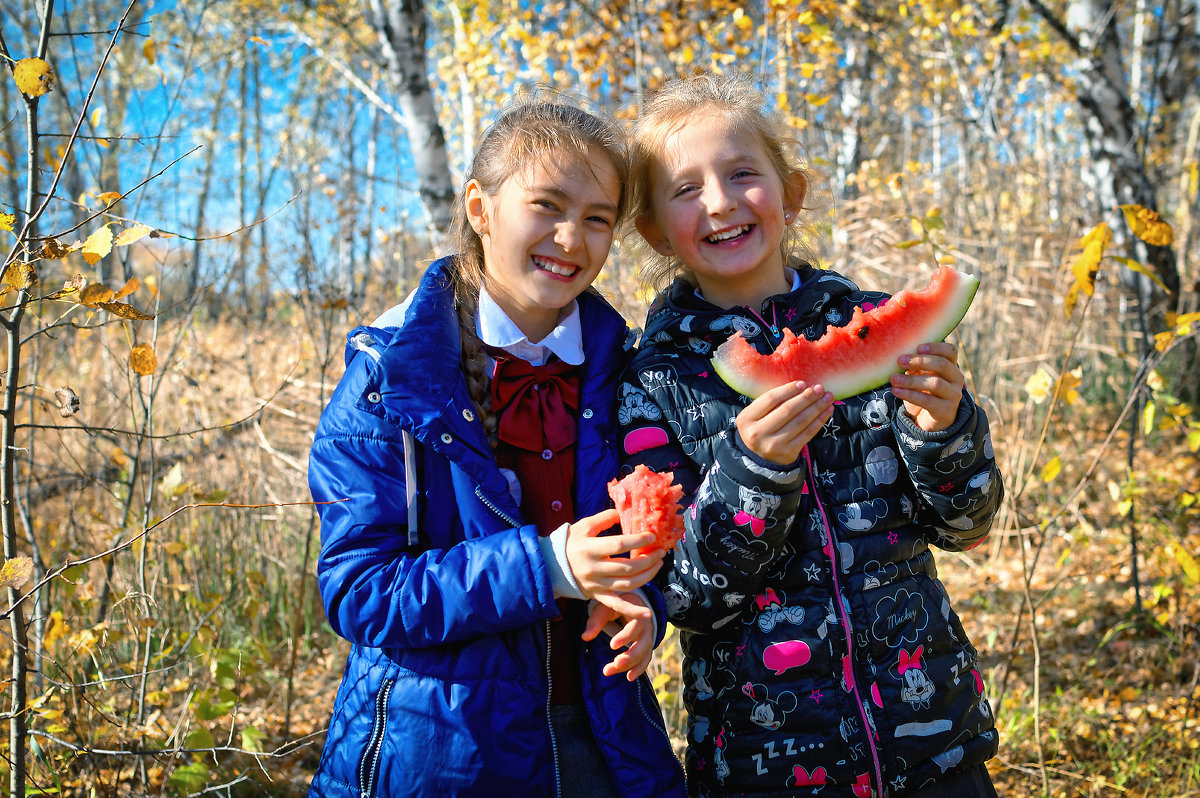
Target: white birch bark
[{"x": 401, "y": 28}]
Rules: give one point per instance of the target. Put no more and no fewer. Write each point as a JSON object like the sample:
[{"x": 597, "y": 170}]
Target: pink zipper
[{"x": 841, "y": 610}]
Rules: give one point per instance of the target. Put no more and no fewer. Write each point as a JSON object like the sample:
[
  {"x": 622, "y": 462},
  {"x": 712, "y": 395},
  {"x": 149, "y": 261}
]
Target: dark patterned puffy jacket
[{"x": 822, "y": 655}]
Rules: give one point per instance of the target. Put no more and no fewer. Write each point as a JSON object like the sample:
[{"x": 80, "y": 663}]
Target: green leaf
[
  {"x": 199, "y": 738},
  {"x": 250, "y": 739},
  {"x": 211, "y": 709},
  {"x": 189, "y": 778}
]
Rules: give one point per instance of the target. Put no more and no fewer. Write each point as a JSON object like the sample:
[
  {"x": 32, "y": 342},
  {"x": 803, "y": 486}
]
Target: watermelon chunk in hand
[{"x": 648, "y": 501}]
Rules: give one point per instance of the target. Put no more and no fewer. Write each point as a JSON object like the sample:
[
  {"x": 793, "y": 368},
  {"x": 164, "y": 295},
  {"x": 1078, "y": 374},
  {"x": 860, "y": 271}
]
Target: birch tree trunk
[
  {"x": 401, "y": 27},
  {"x": 1117, "y": 172},
  {"x": 859, "y": 61}
]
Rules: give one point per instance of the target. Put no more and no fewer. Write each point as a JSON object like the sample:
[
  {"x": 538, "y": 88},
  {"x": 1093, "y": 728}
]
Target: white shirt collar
[{"x": 495, "y": 328}]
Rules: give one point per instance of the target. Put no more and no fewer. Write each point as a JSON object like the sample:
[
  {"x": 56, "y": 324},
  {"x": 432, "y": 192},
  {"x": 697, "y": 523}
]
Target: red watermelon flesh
[
  {"x": 648, "y": 501},
  {"x": 860, "y": 356}
]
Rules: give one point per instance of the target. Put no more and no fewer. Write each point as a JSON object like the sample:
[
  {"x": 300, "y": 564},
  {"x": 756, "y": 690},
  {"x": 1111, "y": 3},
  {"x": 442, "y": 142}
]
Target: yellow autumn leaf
[
  {"x": 84, "y": 642},
  {"x": 130, "y": 286},
  {"x": 1148, "y": 414},
  {"x": 1067, "y": 383},
  {"x": 109, "y": 197},
  {"x": 1183, "y": 324},
  {"x": 19, "y": 277},
  {"x": 1163, "y": 339},
  {"x": 1141, "y": 268},
  {"x": 93, "y": 294},
  {"x": 16, "y": 572},
  {"x": 33, "y": 76},
  {"x": 1088, "y": 262},
  {"x": 56, "y": 628},
  {"x": 7, "y": 220},
  {"x": 1071, "y": 299},
  {"x": 125, "y": 311},
  {"x": 98, "y": 244},
  {"x": 1051, "y": 469},
  {"x": 1038, "y": 386},
  {"x": 148, "y": 50},
  {"x": 1147, "y": 225},
  {"x": 96, "y": 116},
  {"x": 142, "y": 360},
  {"x": 53, "y": 250},
  {"x": 131, "y": 234},
  {"x": 1186, "y": 561}
]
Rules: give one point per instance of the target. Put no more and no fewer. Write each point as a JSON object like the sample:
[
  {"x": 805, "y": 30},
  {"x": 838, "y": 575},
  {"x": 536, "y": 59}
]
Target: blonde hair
[
  {"x": 531, "y": 131},
  {"x": 742, "y": 107}
]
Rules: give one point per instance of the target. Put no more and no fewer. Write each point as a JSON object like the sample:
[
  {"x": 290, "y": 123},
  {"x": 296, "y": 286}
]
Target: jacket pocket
[{"x": 368, "y": 766}]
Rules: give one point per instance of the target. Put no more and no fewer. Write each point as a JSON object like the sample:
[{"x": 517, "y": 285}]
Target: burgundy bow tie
[{"x": 537, "y": 404}]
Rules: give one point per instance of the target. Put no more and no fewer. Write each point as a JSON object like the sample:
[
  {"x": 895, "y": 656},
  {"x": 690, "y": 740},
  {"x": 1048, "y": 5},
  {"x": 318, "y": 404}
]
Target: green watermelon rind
[{"x": 844, "y": 384}]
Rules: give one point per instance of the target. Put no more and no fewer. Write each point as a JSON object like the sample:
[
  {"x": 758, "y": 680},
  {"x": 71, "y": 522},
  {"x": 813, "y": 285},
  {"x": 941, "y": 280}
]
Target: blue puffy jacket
[{"x": 428, "y": 570}]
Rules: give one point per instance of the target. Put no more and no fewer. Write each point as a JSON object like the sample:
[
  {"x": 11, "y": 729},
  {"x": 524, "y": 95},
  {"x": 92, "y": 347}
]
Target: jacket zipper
[
  {"x": 656, "y": 723},
  {"x": 549, "y": 725},
  {"x": 549, "y": 722},
  {"x": 491, "y": 506},
  {"x": 369, "y": 768},
  {"x": 845, "y": 619}
]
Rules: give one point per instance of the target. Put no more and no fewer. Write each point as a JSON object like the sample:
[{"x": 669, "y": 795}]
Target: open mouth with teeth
[
  {"x": 732, "y": 234},
  {"x": 555, "y": 267}
]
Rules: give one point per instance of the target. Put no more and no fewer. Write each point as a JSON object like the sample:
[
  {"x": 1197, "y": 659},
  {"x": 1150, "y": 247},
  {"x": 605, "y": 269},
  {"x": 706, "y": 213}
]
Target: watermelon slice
[
  {"x": 648, "y": 501},
  {"x": 860, "y": 356}
]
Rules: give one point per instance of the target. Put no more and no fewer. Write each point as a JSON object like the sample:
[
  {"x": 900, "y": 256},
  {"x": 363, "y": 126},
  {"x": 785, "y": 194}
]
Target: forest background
[{"x": 200, "y": 197}]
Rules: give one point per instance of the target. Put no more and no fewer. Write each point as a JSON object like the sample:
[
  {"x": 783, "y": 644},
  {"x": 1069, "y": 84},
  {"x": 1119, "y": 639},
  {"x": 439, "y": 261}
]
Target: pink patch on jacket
[{"x": 639, "y": 440}]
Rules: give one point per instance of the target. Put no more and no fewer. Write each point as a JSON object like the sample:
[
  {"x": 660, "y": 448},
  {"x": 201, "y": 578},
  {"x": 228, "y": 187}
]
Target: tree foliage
[{"x": 199, "y": 197}]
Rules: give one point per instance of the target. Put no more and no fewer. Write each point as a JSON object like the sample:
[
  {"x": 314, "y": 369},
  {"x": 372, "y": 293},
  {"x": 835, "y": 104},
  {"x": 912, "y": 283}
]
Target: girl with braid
[{"x": 461, "y": 469}]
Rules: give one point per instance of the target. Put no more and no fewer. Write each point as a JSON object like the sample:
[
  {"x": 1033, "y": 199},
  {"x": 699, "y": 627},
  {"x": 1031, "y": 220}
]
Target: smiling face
[
  {"x": 717, "y": 203},
  {"x": 546, "y": 233}
]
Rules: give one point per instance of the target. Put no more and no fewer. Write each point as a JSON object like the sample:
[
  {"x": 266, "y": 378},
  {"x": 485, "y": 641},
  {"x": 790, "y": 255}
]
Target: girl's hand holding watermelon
[
  {"x": 778, "y": 424},
  {"x": 598, "y": 569},
  {"x": 634, "y": 634},
  {"x": 931, "y": 385}
]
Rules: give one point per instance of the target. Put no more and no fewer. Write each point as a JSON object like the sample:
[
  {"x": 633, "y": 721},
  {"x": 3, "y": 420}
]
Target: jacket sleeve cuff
[
  {"x": 785, "y": 472},
  {"x": 554, "y": 551},
  {"x": 653, "y": 615}
]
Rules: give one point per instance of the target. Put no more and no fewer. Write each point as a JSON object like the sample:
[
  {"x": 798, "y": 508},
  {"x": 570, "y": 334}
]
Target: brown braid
[
  {"x": 475, "y": 368},
  {"x": 531, "y": 130}
]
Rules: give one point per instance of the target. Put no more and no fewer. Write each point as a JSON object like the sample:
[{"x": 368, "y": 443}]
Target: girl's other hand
[
  {"x": 633, "y": 633},
  {"x": 594, "y": 562},
  {"x": 931, "y": 385},
  {"x": 778, "y": 424}
]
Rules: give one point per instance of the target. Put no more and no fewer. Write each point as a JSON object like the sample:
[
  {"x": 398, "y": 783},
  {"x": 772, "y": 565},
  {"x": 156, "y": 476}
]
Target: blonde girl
[{"x": 822, "y": 655}]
